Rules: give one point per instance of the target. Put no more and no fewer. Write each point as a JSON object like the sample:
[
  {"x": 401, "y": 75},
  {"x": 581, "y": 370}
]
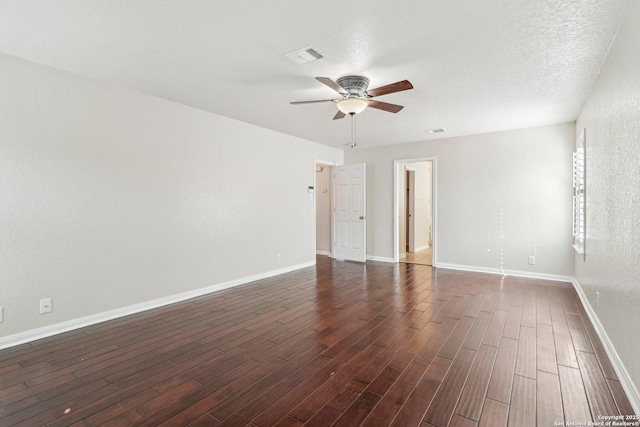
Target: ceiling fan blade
[
  {"x": 339, "y": 115},
  {"x": 311, "y": 102},
  {"x": 333, "y": 85},
  {"x": 385, "y": 106},
  {"x": 393, "y": 87}
]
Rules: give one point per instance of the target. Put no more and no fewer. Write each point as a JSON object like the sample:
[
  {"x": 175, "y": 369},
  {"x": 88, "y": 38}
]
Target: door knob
[{"x": 361, "y": 217}]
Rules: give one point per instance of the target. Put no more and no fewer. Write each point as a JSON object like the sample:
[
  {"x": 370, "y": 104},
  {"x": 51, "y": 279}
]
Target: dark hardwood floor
[{"x": 341, "y": 344}]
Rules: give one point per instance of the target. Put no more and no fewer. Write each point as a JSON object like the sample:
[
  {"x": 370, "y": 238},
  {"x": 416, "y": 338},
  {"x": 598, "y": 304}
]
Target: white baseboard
[
  {"x": 517, "y": 273},
  {"x": 422, "y": 248},
  {"x": 623, "y": 376},
  {"x": 379, "y": 258},
  {"x": 327, "y": 253},
  {"x": 58, "y": 328}
]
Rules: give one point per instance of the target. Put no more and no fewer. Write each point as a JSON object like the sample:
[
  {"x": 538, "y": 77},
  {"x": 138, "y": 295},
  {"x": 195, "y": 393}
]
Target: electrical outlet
[
  {"x": 532, "y": 260},
  {"x": 45, "y": 306},
  {"x": 277, "y": 257}
]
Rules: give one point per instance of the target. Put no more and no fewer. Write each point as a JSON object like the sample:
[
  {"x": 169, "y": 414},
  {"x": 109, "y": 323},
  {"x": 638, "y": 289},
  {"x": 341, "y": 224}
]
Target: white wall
[
  {"x": 112, "y": 198},
  {"x": 323, "y": 210},
  {"x": 611, "y": 117},
  {"x": 501, "y": 197}
]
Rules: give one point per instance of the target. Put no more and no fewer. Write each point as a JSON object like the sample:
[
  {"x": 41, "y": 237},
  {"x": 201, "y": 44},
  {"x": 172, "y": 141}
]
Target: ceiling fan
[{"x": 355, "y": 96}]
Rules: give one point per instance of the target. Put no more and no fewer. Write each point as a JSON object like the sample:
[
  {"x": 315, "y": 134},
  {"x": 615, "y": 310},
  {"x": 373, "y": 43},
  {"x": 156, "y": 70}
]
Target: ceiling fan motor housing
[{"x": 354, "y": 85}]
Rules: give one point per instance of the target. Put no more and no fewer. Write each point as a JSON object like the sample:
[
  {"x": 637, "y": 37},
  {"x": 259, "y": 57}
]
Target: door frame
[
  {"x": 315, "y": 207},
  {"x": 396, "y": 207},
  {"x": 410, "y": 208}
]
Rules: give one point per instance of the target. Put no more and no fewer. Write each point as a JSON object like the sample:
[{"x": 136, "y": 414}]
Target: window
[{"x": 579, "y": 220}]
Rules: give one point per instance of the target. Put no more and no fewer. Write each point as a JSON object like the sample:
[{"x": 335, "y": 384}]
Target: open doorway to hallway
[
  {"x": 324, "y": 208},
  {"x": 415, "y": 211},
  {"x": 340, "y": 210}
]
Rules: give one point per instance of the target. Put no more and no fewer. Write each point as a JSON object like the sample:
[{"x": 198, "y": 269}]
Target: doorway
[
  {"x": 339, "y": 195},
  {"x": 323, "y": 208},
  {"x": 414, "y": 208}
]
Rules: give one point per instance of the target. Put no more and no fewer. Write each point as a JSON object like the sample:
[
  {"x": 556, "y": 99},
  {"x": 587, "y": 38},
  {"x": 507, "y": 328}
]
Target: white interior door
[{"x": 350, "y": 212}]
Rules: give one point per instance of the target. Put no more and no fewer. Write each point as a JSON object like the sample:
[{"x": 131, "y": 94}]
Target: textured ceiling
[{"x": 477, "y": 66}]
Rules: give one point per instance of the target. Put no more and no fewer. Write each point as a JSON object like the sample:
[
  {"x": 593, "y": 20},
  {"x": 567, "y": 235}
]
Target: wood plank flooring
[
  {"x": 423, "y": 257},
  {"x": 341, "y": 344}
]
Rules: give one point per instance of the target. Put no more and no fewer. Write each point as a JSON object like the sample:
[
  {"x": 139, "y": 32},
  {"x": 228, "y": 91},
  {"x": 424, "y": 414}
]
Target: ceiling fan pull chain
[{"x": 353, "y": 130}]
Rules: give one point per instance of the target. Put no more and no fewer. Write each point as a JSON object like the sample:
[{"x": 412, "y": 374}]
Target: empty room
[{"x": 294, "y": 213}]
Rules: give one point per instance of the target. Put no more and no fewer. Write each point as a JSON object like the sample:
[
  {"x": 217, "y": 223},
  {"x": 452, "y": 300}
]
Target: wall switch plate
[
  {"x": 277, "y": 257},
  {"x": 532, "y": 260},
  {"x": 45, "y": 305}
]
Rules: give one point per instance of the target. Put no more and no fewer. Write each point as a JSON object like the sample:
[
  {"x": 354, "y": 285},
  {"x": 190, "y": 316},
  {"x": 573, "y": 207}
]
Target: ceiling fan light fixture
[{"x": 352, "y": 105}]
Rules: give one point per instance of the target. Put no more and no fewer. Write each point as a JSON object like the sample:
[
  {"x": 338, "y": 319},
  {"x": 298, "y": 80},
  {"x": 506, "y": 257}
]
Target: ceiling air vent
[{"x": 306, "y": 55}]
